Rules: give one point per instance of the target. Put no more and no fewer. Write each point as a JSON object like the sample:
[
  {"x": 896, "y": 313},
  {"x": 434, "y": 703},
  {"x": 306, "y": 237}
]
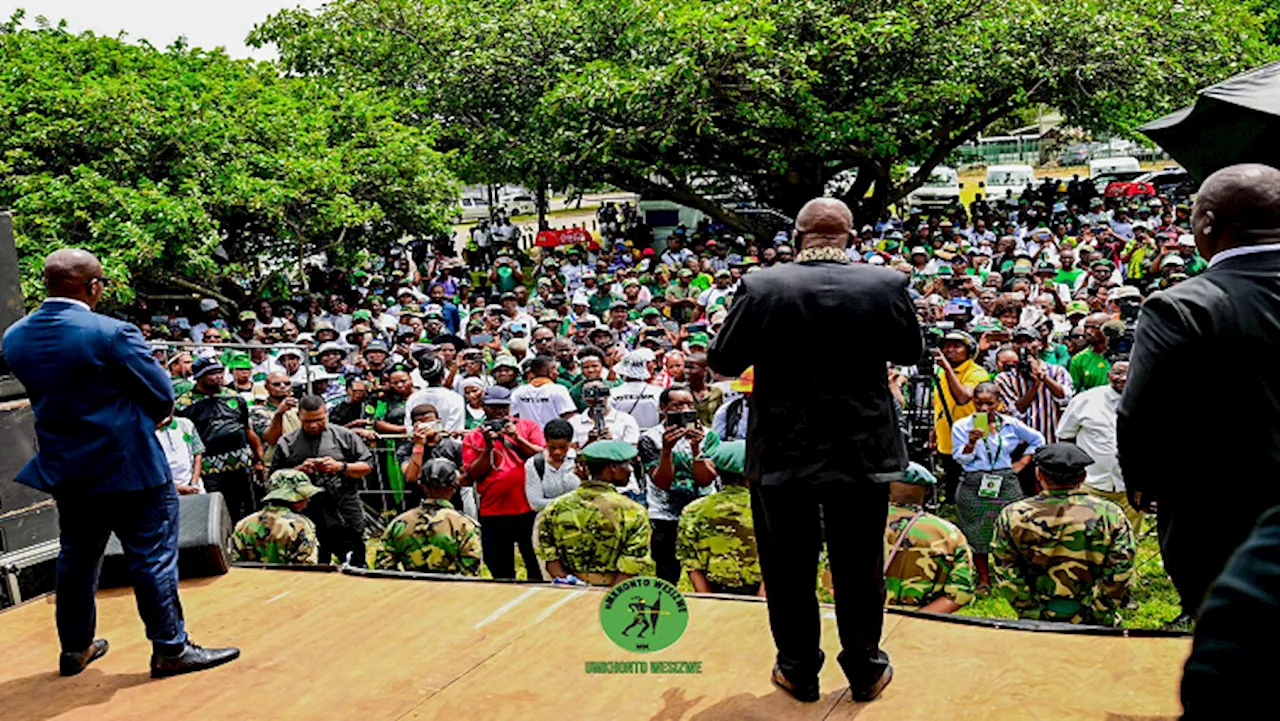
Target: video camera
[{"x": 682, "y": 419}]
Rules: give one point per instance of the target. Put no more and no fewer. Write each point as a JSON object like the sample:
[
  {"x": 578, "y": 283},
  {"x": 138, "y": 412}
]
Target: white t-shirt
[
  {"x": 449, "y": 407},
  {"x": 639, "y": 400},
  {"x": 709, "y": 296},
  {"x": 181, "y": 444},
  {"x": 620, "y": 425},
  {"x": 541, "y": 403}
]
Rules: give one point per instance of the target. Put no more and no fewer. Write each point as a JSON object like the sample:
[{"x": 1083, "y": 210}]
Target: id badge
[{"x": 989, "y": 486}]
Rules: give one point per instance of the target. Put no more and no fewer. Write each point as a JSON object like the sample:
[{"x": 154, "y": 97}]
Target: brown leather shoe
[
  {"x": 807, "y": 693},
  {"x": 874, "y": 690},
  {"x": 71, "y": 663}
]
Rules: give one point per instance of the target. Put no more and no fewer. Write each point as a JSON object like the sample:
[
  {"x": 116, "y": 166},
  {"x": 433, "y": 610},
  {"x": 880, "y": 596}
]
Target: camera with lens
[
  {"x": 593, "y": 393},
  {"x": 495, "y": 425},
  {"x": 1024, "y": 362}
]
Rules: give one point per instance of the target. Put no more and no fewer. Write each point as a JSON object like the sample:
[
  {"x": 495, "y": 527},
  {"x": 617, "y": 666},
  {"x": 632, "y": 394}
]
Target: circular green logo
[{"x": 644, "y": 614}]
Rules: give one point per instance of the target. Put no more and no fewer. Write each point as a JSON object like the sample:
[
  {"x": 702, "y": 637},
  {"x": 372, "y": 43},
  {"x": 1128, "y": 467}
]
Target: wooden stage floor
[{"x": 331, "y": 646}]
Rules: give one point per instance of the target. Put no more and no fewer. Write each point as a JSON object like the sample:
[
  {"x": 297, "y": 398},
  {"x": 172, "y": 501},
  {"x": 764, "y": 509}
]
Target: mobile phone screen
[{"x": 981, "y": 422}]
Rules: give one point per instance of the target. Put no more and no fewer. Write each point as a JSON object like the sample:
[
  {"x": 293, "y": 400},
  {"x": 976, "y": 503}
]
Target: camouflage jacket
[
  {"x": 716, "y": 536},
  {"x": 596, "y": 529},
  {"x": 934, "y": 560},
  {"x": 275, "y": 535},
  {"x": 1064, "y": 556},
  {"x": 432, "y": 538}
]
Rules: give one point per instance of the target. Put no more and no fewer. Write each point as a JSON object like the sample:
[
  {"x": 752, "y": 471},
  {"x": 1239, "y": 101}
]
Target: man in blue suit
[{"x": 98, "y": 395}]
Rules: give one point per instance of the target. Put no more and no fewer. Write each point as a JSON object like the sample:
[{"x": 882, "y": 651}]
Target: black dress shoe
[
  {"x": 71, "y": 663},
  {"x": 805, "y": 692},
  {"x": 193, "y": 658},
  {"x": 872, "y": 691}
]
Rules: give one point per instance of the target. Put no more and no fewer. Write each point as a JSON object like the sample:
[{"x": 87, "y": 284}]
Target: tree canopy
[
  {"x": 181, "y": 166},
  {"x": 695, "y": 100}
]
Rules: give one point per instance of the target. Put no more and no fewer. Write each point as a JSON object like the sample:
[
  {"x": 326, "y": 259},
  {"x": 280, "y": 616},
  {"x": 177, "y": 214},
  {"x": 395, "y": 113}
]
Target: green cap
[
  {"x": 918, "y": 475},
  {"x": 729, "y": 457},
  {"x": 699, "y": 339},
  {"x": 1077, "y": 306},
  {"x": 505, "y": 360},
  {"x": 290, "y": 486},
  {"x": 237, "y": 360},
  {"x": 361, "y": 314},
  {"x": 247, "y": 315},
  {"x": 609, "y": 452},
  {"x": 650, "y": 311}
]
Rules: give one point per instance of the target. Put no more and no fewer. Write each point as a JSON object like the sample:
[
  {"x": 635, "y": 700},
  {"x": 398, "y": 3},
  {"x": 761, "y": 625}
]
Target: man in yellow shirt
[{"x": 955, "y": 378}]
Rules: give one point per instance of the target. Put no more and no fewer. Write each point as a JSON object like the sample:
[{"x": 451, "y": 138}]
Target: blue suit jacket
[{"x": 97, "y": 394}]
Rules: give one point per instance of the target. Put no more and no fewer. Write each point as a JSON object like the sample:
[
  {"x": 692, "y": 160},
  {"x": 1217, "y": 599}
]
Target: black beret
[{"x": 1063, "y": 460}]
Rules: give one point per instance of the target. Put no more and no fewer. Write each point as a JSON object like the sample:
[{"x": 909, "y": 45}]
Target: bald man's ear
[{"x": 1209, "y": 217}]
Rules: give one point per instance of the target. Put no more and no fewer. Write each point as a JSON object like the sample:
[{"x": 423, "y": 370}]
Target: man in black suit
[
  {"x": 1179, "y": 439},
  {"x": 821, "y": 443}
]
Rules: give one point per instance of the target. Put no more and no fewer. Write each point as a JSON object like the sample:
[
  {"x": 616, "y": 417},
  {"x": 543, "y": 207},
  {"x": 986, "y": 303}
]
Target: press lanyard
[{"x": 991, "y": 460}]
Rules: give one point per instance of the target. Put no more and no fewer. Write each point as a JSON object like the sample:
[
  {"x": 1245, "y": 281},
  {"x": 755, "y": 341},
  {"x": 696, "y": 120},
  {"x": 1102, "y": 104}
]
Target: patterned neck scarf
[{"x": 823, "y": 254}]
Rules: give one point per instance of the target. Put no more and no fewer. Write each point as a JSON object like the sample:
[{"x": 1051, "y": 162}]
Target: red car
[{"x": 1149, "y": 184}]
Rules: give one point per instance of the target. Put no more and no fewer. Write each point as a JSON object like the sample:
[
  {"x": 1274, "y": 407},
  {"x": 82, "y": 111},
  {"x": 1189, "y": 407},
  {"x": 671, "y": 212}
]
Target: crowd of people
[{"x": 557, "y": 403}]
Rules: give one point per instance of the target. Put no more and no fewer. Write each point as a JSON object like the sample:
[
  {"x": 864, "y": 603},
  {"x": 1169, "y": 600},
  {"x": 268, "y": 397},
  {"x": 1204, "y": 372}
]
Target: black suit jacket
[
  {"x": 820, "y": 335},
  {"x": 1199, "y": 423}
]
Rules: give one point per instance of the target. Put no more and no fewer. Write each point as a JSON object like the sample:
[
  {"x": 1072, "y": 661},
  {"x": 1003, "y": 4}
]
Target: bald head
[
  {"x": 70, "y": 272},
  {"x": 1238, "y": 205},
  {"x": 824, "y": 222}
]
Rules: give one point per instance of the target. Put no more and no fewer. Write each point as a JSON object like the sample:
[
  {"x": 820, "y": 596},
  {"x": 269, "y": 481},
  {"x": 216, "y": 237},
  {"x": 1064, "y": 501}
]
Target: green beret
[
  {"x": 609, "y": 452},
  {"x": 291, "y": 486},
  {"x": 918, "y": 475},
  {"x": 730, "y": 457}
]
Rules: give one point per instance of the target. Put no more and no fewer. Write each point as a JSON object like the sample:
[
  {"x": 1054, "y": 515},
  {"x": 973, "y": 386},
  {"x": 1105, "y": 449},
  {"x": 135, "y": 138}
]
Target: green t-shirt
[
  {"x": 1067, "y": 277},
  {"x": 1057, "y": 355},
  {"x": 506, "y": 279},
  {"x": 1088, "y": 369}
]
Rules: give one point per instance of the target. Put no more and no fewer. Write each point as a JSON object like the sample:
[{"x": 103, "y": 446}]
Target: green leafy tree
[
  {"x": 182, "y": 168},
  {"x": 698, "y": 100}
]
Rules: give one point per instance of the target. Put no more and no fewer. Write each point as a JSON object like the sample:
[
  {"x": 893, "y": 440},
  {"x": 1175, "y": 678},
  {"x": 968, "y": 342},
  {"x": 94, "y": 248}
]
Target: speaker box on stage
[{"x": 204, "y": 529}]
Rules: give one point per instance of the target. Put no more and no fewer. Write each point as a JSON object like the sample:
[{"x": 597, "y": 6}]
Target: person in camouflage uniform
[
  {"x": 716, "y": 540},
  {"x": 594, "y": 533},
  {"x": 279, "y": 533},
  {"x": 434, "y": 537},
  {"x": 932, "y": 567},
  {"x": 1064, "y": 555}
]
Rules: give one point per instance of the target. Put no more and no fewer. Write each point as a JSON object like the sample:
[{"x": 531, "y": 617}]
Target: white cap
[
  {"x": 1187, "y": 239},
  {"x": 208, "y": 304}
]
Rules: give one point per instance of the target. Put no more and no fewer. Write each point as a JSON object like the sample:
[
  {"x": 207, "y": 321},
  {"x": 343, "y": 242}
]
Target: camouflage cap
[
  {"x": 290, "y": 486},
  {"x": 729, "y": 457},
  {"x": 918, "y": 475},
  {"x": 609, "y": 452}
]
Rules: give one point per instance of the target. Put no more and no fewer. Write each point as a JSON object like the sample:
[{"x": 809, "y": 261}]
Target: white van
[
  {"x": 1113, "y": 165},
  {"x": 940, "y": 190},
  {"x": 471, "y": 209},
  {"x": 1005, "y": 179}
]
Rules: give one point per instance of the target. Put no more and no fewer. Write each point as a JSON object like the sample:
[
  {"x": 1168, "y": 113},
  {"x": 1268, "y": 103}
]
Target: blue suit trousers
[{"x": 146, "y": 522}]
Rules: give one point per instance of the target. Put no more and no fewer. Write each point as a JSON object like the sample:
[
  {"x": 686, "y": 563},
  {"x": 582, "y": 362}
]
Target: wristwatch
[{"x": 344, "y": 468}]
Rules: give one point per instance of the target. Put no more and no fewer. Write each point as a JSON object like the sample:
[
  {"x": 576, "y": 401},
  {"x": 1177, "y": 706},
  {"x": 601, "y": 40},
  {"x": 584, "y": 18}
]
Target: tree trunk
[{"x": 541, "y": 200}]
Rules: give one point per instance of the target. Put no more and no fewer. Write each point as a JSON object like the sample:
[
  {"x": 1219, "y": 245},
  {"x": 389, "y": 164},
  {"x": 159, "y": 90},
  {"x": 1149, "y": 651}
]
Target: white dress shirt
[{"x": 1090, "y": 420}]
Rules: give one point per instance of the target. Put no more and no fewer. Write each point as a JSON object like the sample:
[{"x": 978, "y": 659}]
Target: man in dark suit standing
[
  {"x": 98, "y": 395},
  {"x": 821, "y": 444},
  {"x": 1180, "y": 440}
]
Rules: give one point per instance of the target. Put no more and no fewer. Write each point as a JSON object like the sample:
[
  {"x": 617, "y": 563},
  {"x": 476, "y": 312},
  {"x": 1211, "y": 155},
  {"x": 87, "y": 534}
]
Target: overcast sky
[{"x": 207, "y": 23}]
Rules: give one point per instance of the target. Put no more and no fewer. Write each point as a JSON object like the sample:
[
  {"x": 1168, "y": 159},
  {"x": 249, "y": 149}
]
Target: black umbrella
[{"x": 1235, "y": 121}]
